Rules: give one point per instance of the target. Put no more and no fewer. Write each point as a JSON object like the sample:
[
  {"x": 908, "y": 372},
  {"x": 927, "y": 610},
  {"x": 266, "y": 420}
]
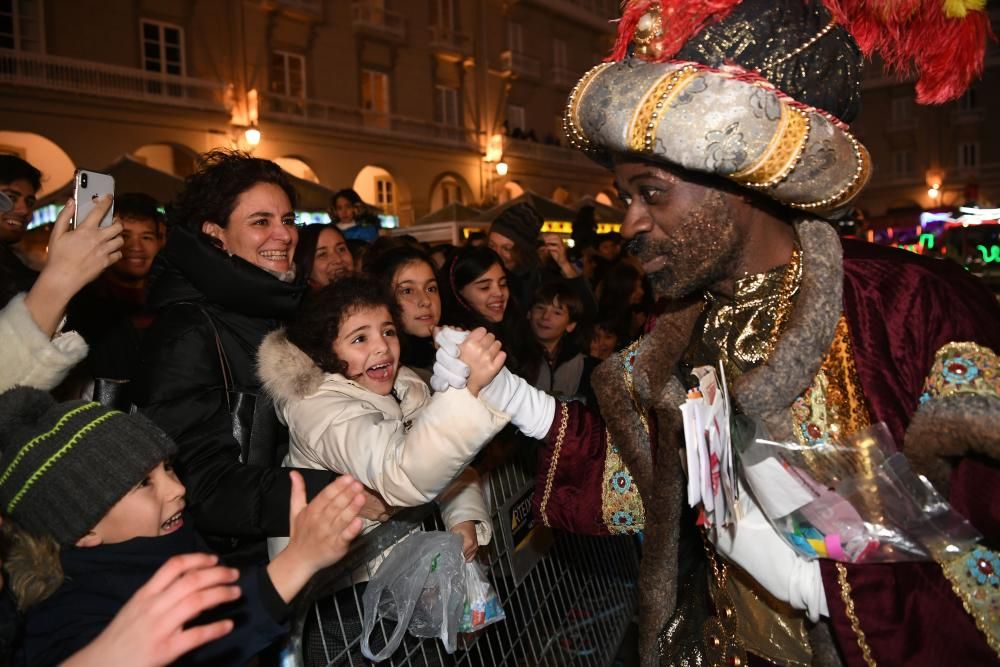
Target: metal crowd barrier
[{"x": 568, "y": 599}]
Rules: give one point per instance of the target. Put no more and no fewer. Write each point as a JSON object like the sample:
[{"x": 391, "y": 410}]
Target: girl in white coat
[{"x": 350, "y": 407}]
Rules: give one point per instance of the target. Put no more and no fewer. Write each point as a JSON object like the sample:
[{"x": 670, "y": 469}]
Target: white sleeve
[
  {"x": 463, "y": 501},
  {"x": 30, "y": 358},
  {"x": 406, "y": 467}
]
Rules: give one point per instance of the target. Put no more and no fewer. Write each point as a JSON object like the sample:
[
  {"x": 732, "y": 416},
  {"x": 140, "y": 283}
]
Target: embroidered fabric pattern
[
  {"x": 975, "y": 578},
  {"x": 835, "y": 404},
  {"x": 782, "y": 152},
  {"x": 962, "y": 368},
  {"x": 621, "y": 504}
]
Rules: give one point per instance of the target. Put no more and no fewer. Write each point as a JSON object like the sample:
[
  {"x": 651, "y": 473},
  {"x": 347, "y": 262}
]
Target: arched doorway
[
  {"x": 449, "y": 188},
  {"x": 511, "y": 190},
  {"x": 298, "y": 168},
  {"x": 45, "y": 155},
  {"x": 562, "y": 196}
]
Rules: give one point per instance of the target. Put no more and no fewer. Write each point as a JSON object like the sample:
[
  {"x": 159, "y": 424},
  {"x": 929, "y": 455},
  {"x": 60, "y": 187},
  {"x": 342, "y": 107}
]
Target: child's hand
[
  {"x": 470, "y": 541},
  {"x": 482, "y": 354},
  {"x": 320, "y": 532}
]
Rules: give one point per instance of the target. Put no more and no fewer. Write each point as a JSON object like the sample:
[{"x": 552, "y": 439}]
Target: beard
[{"x": 703, "y": 250}]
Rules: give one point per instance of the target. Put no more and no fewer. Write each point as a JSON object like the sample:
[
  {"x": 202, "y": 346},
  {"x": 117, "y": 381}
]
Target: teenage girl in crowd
[{"x": 406, "y": 275}]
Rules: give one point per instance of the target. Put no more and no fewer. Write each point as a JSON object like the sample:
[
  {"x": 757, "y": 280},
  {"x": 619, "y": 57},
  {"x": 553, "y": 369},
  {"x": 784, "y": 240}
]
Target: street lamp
[
  {"x": 252, "y": 136},
  {"x": 501, "y": 168}
]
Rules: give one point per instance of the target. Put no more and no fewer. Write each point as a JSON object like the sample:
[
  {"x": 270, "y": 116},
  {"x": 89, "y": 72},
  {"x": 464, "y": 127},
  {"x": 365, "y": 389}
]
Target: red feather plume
[{"x": 947, "y": 53}]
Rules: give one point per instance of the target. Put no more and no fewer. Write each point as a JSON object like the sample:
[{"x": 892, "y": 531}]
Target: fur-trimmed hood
[{"x": 286, "y": 372}]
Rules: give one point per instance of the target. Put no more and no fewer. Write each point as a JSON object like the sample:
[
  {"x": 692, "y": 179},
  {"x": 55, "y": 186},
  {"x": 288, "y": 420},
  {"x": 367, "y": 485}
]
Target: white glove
[
  {"x": 754, "y": 545},
  {"x": 449, "y": 370},
  {"x": 531, "y": 410}
]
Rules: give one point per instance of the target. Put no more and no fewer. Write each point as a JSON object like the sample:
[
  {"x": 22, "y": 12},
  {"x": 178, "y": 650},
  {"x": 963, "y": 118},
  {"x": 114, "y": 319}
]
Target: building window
[
  {"x": 968, "y": 155},
  {"x": 385, "y": 194},
  {"x": 559, "y": 54},
  {"x": 21, "y": 25},
  {"x": 288, "y": 74},
  {"x": 515, "y": 37},
  {"x": 444, "y": 14},
  {"x": 902, "y": 110},
  {"x": 968, "y": 101},
  {"x": 446, "y": 106},
  {"x": 162, "y": 48},
  {"x": 902, "y": 163},
  {"x": 515, "y": 118},
  {"x": 451, "y": 192},
  {"x": 375, "y": 91}
]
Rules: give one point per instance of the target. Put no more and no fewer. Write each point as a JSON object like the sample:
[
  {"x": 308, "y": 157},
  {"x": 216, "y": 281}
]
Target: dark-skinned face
[{"x": 683, "y": 232}]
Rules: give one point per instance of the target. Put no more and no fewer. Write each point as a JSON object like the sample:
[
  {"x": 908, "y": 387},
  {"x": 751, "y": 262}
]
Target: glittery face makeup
[{"x": 682, "y": 232}]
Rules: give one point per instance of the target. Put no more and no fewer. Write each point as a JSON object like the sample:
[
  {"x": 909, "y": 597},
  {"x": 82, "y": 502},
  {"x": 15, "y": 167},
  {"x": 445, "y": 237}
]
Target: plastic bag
[
  {"x": 482, "y": 606},
  {"x": 853, "y": 500},
  {"x": 421, "y": 586}
]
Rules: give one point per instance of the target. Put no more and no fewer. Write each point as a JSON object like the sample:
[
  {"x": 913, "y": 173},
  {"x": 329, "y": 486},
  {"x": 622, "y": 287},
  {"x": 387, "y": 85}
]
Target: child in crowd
[
  {"x": 350, "y": 406},
  {"x": 564, "y": 370},
  {"x": 92, "y": 509}
]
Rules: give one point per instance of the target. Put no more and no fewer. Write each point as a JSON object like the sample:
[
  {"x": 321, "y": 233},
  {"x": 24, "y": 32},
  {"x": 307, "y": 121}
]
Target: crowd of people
[{"x": 202, "y": 408}]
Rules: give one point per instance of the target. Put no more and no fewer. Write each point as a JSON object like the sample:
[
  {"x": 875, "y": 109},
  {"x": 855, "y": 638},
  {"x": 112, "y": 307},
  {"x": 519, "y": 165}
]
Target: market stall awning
[
  {"x": 130, "y": 175},
  {"x": 453, "y": 212},
  {"x": 548, "y": 209}
]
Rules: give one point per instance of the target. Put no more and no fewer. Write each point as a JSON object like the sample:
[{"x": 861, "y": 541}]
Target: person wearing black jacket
[{"x": 223, "y": 281}]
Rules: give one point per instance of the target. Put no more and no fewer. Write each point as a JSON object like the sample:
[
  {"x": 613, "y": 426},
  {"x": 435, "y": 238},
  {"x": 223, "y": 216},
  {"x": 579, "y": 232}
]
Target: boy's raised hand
[
  {"x": 321, "y": 532},
  {"x": 482, "y": 354},
  {"x": 152, "y": 629}
]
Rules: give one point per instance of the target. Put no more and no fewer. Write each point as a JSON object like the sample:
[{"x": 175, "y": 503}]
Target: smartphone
[{"x": 89, "y": 186}]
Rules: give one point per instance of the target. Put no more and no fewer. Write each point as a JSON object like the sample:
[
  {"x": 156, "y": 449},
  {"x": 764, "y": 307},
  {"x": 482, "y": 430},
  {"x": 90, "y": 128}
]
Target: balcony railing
[
  {"x": 352, "y": 119},
  {"x": 372, "y": 17},
  {"x": 449, "y": 40},
  {"x": 517, "y": 64},
  {"x": 537, "y": 151},
  {"x": 20, "y": 68},
  {"x": 565, "y": 78}
]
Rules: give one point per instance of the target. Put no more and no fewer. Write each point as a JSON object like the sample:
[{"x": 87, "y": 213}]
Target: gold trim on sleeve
[{"x": 852, "y": 615}]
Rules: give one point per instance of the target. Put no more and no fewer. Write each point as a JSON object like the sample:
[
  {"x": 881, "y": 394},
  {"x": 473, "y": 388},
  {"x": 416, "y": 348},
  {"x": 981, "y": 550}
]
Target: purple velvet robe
[{"x": 901, "y": 309}]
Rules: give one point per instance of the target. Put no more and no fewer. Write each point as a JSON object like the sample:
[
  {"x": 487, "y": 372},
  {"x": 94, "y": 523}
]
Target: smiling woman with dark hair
[{"x": 223, "y": 281}]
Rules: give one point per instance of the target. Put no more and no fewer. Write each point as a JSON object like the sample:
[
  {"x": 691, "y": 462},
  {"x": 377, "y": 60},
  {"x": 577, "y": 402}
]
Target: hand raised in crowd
[
  {"x": 482, "y": 354},
  {"x": 76, "y": 257},
  {"x": 470, "y": 541},
  {"x": 321, "y": 532},
  {"x": 553, "y": 246},
  {"x": 151, "y": 629}
]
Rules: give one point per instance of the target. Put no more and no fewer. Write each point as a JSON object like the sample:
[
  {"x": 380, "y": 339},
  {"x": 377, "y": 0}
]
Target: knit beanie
[
  {"x": 63, "y": 466},
  {"x": 520, "y": 223}
]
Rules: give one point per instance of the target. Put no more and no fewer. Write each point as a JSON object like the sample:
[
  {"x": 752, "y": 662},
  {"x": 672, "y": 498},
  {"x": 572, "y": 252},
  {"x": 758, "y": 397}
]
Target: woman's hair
[
  {"x": 347, "y": 193},
  {"x": 31, "y": 564},
  {"x": 317, "y": 323},
  {"x": 382, "y": 265},
  {"x": 305, "y": 249},
  {"x": 209, "y": 194}
]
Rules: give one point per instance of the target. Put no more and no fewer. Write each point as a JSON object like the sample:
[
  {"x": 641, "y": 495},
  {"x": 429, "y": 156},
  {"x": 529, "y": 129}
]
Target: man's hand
[{"x": 152, "y": 628}]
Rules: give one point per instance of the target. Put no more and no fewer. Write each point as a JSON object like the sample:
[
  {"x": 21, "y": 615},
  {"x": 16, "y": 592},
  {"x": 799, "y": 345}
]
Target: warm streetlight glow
[
  {"x": 252, "y": 136},
  {"x": 501, "y": 168},
  {"x": 933, "y": 191}
]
